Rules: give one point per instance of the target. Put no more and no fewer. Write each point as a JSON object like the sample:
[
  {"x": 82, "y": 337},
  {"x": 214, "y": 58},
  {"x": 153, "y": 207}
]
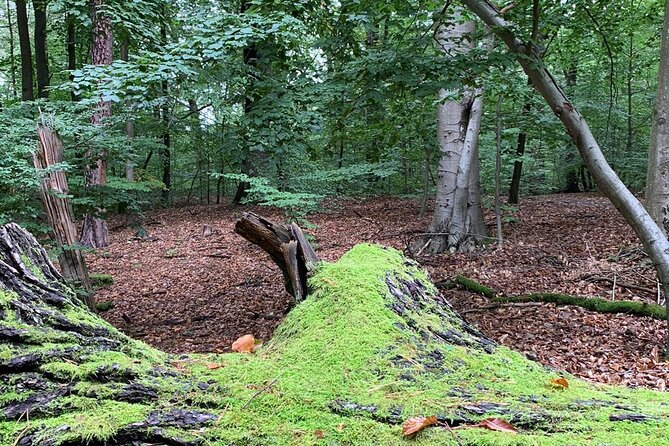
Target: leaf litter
[{"x": 186, "y": 290}]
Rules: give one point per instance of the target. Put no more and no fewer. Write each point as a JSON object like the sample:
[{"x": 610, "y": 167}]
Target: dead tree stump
[
  {"x": 58, "y": 209},
  {"x": 287, "y": 246}
]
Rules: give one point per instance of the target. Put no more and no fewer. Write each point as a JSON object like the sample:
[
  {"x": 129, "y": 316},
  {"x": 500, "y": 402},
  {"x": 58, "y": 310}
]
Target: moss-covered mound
[{"x": 373, "y": 345}]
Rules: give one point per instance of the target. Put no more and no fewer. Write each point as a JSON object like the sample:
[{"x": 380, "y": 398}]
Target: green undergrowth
[{"x": 345, "y": 368}]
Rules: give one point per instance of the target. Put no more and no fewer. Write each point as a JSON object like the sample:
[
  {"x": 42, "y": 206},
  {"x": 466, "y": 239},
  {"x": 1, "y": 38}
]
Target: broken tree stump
[
  {"x": 373, "y": 345},
  {"x": 58, "y": 208},
  {"x": 288, "y": 248}
]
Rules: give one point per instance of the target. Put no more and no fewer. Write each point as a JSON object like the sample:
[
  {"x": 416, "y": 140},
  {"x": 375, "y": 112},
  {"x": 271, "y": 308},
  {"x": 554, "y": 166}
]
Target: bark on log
[
  {"x": 288, "y": 248},
  {"x": 373, "y": 346}
]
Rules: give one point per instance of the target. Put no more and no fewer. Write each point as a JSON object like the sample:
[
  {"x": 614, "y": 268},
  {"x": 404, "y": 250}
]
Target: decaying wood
[
  {"x": 58, "y": 209},
  {"x": 286, "y": 245}
]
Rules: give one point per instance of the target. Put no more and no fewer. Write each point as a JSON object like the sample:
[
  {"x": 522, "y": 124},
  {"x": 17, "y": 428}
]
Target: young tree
[
  {"x": 657, "y": 185},
  {"x": 457, "y": 223},
  {"x": 94, "y": 232},
  {"x": 27, "y": 92}
]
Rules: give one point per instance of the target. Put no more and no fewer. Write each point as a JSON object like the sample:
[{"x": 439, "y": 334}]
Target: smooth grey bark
[
  {"x": 650, "y": 234},
  {"x": 657, "y": 183},
  {"x": 457, "y": 222}
]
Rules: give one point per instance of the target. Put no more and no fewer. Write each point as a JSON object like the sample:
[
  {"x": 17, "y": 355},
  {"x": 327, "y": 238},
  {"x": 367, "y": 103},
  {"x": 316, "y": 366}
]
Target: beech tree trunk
[
  {"x": 94, "y": 232},
  {"x": 27, "y": 92},
  {"x": 457, "y": 223},
  {"x": 651, "y": 235},
  {"x": 41, "y": 58},
  {"x": 58, "y": 209},
  {"x": 657, "y": 183}
]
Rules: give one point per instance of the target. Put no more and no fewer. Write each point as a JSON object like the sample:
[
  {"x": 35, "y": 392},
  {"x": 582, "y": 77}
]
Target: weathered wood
[
  {"x": 288, "y": 248},
  {"x": 58, "y": 209}
]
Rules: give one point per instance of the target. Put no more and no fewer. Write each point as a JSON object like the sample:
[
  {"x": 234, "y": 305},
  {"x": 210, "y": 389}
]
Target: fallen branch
[
  {"x": 596, "y": 304},
  {"x": 617, "y": 283}
]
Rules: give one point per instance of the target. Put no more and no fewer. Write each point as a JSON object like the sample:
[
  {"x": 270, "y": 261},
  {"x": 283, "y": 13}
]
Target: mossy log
[
  {"x": 596, "y": 304},
  {"x": 373, "y": 345}
]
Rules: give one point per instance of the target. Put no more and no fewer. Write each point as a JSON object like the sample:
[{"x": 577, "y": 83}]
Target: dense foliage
[{"x": 314, "y": 98}]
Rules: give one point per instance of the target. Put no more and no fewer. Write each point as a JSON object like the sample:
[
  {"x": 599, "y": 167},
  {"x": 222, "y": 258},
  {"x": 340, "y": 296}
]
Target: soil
[{"x": 193, "y": 285}]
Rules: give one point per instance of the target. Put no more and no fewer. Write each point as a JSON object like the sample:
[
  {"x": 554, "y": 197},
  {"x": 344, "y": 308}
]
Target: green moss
[
  {"x": 37, "y": 271},
  {"x": 594, "y": 304},
  {"x": 101, "y": 280},
  {"x": 345, "y": 344},
  {"x": 475, "y": 287},
  {"x": 104, "y": 306}
]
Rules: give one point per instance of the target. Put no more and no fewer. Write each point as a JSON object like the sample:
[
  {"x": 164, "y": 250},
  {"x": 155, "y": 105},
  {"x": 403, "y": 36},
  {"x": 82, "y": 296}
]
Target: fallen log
[{"x": 373, "y": 345}]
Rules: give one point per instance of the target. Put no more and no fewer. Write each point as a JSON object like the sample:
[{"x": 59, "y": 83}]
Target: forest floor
[{"x": 184, "y": 291}]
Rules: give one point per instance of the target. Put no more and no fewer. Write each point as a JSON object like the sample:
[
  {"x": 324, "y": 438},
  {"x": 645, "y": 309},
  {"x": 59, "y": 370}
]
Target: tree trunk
[
  {"x": 375, "y": 345},
  {"x": 27, "y": 92},
  {"x": 12, "y": 65},
  {"x": 58, "y": 209},
  {"x": 41, "y": 58},
  {"x": 657, "y": 184},
  {"x": 165, "y": 112},
  {"x": 650, "y": 234},
  {"x": 129, "y": 124},
  {"x": 457, "y": 220},
  {"x": 514, "y": 188},
  {"x": 71, "y": 48},
  {"x": 94, "y": 232}
]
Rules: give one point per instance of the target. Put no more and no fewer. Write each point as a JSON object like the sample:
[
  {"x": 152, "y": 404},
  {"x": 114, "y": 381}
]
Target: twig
[
  {"x": 455, "y": 437},
  {"x": 255, "y": 395},
  {"x": 630, "y": 286},
  {"x": 499, "y": 305}
]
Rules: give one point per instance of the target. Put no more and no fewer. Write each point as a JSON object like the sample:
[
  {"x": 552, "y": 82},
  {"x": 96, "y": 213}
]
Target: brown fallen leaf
[
  {"x": 246, "y": 344},
  {"x": 340, "y": 427},
  {"x": 415, "y": 424},
  {"x": 497, "y": 424},
  {"x": 560, "y": 382},
  {"x": 319, "y": 433},
  {"x": 214, "y": 365}
]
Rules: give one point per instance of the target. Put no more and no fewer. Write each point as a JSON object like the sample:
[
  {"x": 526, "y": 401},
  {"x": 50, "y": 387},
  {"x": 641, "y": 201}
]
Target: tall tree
[
  {"x": 657, "y": 184},
  {"x": 457, "y": 223},
  {"x": 27, "y": 89},
  {"x": 41, "y": 58},
  {"x": 94, "y": 232}
]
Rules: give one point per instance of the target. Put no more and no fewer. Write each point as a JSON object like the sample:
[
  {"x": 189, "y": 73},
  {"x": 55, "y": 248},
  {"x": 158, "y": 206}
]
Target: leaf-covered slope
[{"x": 373, "y": 345}]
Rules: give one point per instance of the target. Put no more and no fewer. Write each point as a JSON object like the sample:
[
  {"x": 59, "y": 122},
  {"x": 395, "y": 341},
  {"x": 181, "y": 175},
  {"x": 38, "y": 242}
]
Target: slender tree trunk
[
  {"x": 71, "y": 48},
  {"x": 12, "y": 63},
  {"x": 41, "y": 58},
  {"x": 514, "y": 188},
  {"x": 498, "y": 169},
  {"x": 657, "y": 185},
  {"x": 457, "y": 223},
  {"x": 27, "y": 92},
  {"x": 630, "y": 73},
  {"x": 165, "y": 112},
  {"x": 129, "y": 124},
  {"x": 94, "y": 232},
  {"x": 650, "y": 234}
]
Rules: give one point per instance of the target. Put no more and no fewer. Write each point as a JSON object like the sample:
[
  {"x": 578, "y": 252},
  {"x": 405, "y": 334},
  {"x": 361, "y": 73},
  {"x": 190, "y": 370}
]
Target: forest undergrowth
[{"x": 193, "y": 285}]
